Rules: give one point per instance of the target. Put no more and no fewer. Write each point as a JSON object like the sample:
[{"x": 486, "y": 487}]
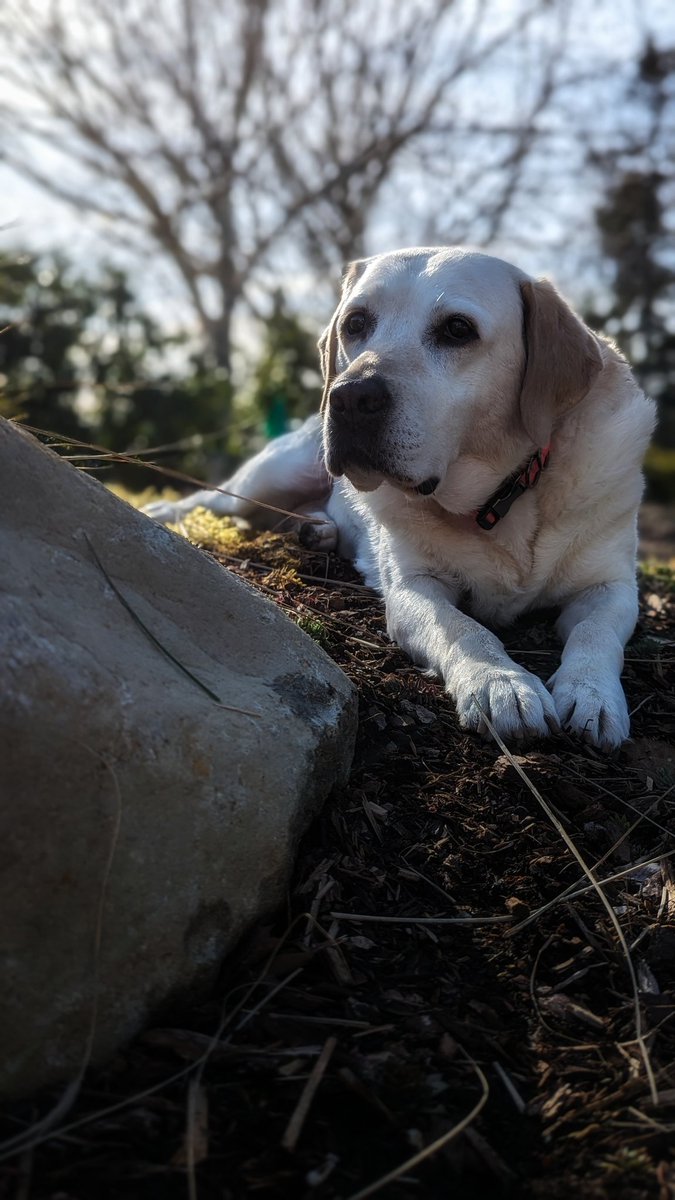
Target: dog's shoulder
[{"x": 598, "y": 450}]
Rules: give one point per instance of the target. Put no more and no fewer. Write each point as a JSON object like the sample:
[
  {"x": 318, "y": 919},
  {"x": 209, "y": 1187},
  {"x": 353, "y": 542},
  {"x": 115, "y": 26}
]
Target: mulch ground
[{"x": 442, "y": 971}]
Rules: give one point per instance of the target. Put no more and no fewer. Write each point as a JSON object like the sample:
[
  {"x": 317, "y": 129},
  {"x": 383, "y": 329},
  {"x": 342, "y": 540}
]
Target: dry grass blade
[
  {"x": 573, "y": 889},
  {"x": 253, "y": 1012},
  {"x": 195, "y": 1148},
  {"x": 433, "y": 1147},
  {"x": 510, "y": 1087},
  {"x": 155, "y": 641},
  {"x": 644, "y": 816},
  {"x": 368, "y": 919},
  {"x": 184, "y": 443},
  {"x": 560, "y": 829},
  {"x": 583, "y": 891},
  {"x": 294, "y": 1128},
  {"x": 169, "y": 472}
]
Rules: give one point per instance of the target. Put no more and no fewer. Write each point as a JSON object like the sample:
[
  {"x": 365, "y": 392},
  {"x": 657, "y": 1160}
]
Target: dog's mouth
[
  {"x": 363, "y": 469},
  {"x": 428, "y": 487},
  {"x": 367, "y": 479},
  {"x": 366, "y": 468}
]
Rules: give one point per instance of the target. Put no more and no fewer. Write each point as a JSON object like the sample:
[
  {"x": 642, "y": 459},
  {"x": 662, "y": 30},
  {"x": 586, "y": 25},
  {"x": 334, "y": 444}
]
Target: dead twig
[
  {"x": 294, "y": 1128},
  {"x": 368, "y": 919},
  {"x": 170, "y": 472}
]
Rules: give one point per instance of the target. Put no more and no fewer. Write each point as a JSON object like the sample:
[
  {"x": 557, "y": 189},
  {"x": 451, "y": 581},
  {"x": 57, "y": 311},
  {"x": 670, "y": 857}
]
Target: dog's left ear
[
  {"x": 562, "y": 359},
  {"x": 328, "y": 341}
]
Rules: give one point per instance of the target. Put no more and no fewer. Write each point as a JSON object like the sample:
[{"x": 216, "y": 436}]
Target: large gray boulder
[{"x": 143, "y": 823}]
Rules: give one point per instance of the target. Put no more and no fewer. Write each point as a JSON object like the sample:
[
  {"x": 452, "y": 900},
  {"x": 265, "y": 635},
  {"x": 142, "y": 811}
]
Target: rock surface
[{"x": 143, "y": 822}]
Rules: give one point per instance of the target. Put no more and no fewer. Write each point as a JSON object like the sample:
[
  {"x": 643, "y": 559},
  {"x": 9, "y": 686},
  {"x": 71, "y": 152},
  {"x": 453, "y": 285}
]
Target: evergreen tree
[{"x": 637, "y": 231}]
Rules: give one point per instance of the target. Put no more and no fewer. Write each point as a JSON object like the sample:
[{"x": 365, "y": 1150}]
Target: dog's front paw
[
  {"x": 323, "y": 537},
  {"x": 595, "y": 710},
  {"x": 516, "y": 703}
]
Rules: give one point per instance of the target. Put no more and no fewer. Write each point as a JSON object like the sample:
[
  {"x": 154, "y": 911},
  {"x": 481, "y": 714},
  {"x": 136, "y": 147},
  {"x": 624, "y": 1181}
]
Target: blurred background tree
[
  {"x": 286, "y": 380},
  {"x": 78, "y": 356},
  {"x": 234, "y": 138},
  {"x": 636, "y": 225},
  {"x": 260, "y": 141}
]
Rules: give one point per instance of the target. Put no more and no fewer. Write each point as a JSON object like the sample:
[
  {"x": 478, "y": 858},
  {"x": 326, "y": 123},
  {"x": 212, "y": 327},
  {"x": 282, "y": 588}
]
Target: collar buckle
[{"x": 508, "y": 492}]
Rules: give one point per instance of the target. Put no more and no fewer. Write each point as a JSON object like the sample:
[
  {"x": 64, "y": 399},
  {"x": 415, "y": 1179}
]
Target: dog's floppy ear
[
  {"x": 328, "y": 340},
  {"x": 562, "y": 358}
]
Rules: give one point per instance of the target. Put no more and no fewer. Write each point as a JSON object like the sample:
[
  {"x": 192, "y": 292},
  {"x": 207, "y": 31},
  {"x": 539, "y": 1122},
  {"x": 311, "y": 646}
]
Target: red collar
[{"x": 521, "y": 481}]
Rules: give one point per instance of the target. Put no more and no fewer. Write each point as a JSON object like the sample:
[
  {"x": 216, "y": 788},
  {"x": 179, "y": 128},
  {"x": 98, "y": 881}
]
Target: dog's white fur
[{"x": 470, "y": 415}]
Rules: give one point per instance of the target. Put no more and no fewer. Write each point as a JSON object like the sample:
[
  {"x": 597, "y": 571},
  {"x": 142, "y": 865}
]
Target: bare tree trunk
[{"x": 220, "y": 336}]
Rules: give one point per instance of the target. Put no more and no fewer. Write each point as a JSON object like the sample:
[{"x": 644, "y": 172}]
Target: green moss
[
  {"x": 316, "y": 630},
  {"x": 204, "y": 528},
  {"x": 146, "y": 496}
]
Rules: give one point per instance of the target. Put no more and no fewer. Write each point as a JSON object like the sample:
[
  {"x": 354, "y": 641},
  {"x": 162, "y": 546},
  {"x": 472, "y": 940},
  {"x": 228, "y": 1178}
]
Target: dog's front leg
[
  {"x": 478, "y": 673},
  {"x": 595, "y": 626}
]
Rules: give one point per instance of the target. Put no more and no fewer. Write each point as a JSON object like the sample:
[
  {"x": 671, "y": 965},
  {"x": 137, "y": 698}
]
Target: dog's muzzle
[
  {"x": 358, "y": 404},
  {"x": 357, "y": 411}
]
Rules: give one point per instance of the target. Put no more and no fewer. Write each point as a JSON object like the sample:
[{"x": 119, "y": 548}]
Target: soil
[{"x": 442, "y": 971}]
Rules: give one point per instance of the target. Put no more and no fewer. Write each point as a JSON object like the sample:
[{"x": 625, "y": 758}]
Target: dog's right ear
[{"x": 328, "y": 340}]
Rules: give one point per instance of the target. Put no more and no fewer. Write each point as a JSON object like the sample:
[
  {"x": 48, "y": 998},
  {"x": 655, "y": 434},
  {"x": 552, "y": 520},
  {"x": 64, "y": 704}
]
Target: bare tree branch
[{"x": 228, "y": 134}]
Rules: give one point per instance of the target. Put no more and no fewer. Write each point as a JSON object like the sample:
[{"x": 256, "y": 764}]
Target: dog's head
[{"x": 443, "y": 368}]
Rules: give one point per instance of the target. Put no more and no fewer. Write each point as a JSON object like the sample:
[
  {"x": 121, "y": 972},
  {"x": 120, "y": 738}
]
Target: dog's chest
[{"x": 501, "y": 572}]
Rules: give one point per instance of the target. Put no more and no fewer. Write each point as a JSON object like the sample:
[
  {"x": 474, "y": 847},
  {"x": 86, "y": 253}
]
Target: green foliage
[
  {"x": 316, "y": 630},
  {"x": 286, "y": 383},
  {"x": 80, "y": 357},
  {"x": 628, "y": 1161},
  {"x": 657, "y": 574},
  {"x": 633, "y": 226}
]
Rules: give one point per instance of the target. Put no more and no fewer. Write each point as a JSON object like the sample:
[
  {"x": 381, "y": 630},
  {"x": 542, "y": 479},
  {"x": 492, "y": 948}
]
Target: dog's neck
[{"x": 499, "y": 503}]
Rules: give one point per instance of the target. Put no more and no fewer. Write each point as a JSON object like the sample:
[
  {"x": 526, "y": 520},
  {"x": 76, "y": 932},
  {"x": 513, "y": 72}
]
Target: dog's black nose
[{"x": 359, "y": 401}]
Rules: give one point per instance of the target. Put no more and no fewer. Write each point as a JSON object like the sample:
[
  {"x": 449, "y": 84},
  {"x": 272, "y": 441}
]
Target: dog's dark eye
[
  {"x": 355, "y": 324},
  {"x": 456, "y": 331}
]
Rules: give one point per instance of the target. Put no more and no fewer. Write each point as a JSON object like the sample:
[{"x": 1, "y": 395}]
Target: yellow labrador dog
[{"x": 454, "y": 384}]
